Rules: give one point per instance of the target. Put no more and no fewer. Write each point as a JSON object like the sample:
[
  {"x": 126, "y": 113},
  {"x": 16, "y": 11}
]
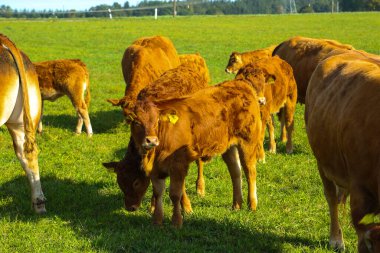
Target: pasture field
[{"x": 85, "y": 205}]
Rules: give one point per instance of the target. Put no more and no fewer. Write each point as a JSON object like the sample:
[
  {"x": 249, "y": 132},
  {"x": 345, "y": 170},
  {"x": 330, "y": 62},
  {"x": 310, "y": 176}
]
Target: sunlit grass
[{"x": 85, "y": 205}]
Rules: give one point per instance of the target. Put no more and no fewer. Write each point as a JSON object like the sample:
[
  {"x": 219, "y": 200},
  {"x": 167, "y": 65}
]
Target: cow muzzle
[{"x": 150, "y": 142}]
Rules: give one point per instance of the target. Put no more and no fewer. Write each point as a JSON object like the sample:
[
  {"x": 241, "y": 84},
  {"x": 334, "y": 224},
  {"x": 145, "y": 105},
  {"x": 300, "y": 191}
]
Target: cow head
[
  {"x": 131, "y": 179},
  {"x": 144, "y": 119},
  {"x": 369, "y": 241},
  {"x": 234, "y": 63},
  {"x": 372, "y": 239},
  {"x": 258, "y": 78}
]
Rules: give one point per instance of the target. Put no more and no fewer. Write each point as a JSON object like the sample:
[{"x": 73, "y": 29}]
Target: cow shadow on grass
[
  {"x": 96, "y": 214},
  {"x": 101, "y": 121}
]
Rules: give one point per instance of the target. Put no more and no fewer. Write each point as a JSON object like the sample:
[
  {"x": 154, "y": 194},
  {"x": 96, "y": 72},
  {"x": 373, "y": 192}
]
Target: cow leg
[
  {"x": 83, "y": 116},
  {"x": 281, "y": 117},
  {"x": 200, "y": 180},
  {"x": 272, "y": 142},
  {"x": 82, "y": 112},
  {"x": 289, "y": 110},
  {"x": 330, "y": 190},
  {"x": 185, "y": 201},
  {"x": 231, "y": 158},
  {"x": 39, "y": 129},
  {"x": 30, "y": 165},
  {"x": 177, "y": 186},
  {"x": 248, "y": 162},
  {"x": 158, "y": 191}
]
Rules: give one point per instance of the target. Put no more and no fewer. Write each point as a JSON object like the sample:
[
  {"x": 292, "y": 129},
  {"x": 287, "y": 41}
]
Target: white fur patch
[{"x": 8, "y": 102}]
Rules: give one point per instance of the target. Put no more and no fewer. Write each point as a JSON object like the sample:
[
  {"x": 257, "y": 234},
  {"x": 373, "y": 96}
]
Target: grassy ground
[{"x": 85, "y": 205}]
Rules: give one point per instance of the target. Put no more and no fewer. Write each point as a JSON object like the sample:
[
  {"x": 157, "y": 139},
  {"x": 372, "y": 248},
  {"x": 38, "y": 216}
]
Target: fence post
[{"x": 109, "y": 11}]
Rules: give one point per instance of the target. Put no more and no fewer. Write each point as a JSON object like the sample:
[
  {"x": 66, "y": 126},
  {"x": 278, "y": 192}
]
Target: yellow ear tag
[{"x": 172, "y": 118}]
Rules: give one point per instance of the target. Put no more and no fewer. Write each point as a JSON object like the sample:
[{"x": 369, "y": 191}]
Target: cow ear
[
  {"x": 270, "y": 79},
  {"x": 116, "y": 102},
  {"x": 111, "y": 166}
]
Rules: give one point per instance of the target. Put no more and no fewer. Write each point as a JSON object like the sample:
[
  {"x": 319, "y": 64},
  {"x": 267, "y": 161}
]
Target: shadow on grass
[
  {"x": 100, "y": 217},
  {"x": 101, "y": 121}
]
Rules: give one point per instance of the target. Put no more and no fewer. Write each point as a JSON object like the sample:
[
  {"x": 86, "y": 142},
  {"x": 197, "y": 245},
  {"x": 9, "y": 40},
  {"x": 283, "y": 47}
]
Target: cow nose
[
  {"x": 151, "y": 141},
  {"x": 262, "y": 100}
]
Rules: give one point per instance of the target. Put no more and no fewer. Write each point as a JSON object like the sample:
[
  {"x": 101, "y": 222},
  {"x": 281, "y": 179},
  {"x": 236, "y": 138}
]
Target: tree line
[{"x": 201, "y": 7}]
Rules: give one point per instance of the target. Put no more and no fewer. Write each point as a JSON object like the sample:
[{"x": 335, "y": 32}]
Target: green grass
[{"x": 85, "y": 205}]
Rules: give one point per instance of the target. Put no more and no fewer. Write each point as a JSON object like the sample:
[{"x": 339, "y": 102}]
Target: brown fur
[
  {"x": 281, "y": 93},
  {"x": 66, "y": 77},
  {"x": 222, "y": 119},
  {"x": 145, "y": 61},
  {"x": 187, "y": 78},
  {"x": 304, "y": 54},
  {"x": 342, "y": 122},
  {"x": 19, "y": 83},
  {"x": 239, "y": 60}
]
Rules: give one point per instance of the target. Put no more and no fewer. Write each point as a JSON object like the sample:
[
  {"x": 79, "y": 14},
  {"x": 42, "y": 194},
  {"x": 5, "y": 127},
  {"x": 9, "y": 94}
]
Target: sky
[{"x": 61, "y": 4}]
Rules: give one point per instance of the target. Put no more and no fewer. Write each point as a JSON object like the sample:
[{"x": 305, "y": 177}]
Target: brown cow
[
  {"x": 189, "y": 77},
  {"x": 304, "y": 54},
  {"x": 273, "y": 78},
  {"x": 146, "y": 60},
  {"x": 170, "y": 134},
  {"x": 66, "y": 77},
  {"x": 239, "y": 60},
  {"x": 20, "y": 110},
  {"x": 342, "y": 123}
]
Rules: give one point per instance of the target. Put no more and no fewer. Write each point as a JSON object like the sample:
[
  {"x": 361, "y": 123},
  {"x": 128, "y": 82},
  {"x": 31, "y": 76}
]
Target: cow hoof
[
  {"x": 337, "y": 245},
  {"x": 289, "y": 151}
]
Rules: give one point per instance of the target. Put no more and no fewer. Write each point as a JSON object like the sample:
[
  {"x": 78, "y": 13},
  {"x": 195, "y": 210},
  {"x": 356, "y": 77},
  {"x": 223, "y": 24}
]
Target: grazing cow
[
  {"x": 66, "y": 77},
  {"x": 20, "y": 109},
  {"x": 189, "y": 77},
  {"x": 239, "y": 60},
  {"x": 170, "y": 134},
  {"x": 342, "y": 123},
  {"x": 274, "y": 83},
  {"x": 146, "y": 60},
  {"x": 304, "y": 54}
]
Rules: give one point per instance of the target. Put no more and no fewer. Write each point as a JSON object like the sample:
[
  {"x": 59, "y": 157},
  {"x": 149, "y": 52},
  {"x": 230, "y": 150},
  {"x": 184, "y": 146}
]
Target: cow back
[
  {"x": 145, "y": 60},
  {"x": 341, "y": 115},
  {"x": 304, "y": 54}
]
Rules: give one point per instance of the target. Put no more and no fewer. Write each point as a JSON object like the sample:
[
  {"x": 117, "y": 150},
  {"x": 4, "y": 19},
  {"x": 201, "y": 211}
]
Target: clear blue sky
[{"x": 61, "y": 4}]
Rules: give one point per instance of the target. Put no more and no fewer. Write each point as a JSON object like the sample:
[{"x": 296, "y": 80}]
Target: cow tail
[
  {"x": 30, "y": 146},
  {"x": 87, "y": 98}
]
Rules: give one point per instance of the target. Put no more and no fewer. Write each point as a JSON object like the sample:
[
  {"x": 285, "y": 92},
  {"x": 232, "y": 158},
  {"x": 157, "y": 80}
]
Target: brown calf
[
  {"x": 146, "y": 60},
  {"x": 239, "y": 60},
  {"x": 20, "y": 110},
  {"x": 189, "y": 77},
  {"x": 304, "y": 54},
  {"x": 66, "y": 77},
  {"x": 170, "y": 134},
  {"x": 274, "y": 82},
  {"x": 342, "y": 123}
]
